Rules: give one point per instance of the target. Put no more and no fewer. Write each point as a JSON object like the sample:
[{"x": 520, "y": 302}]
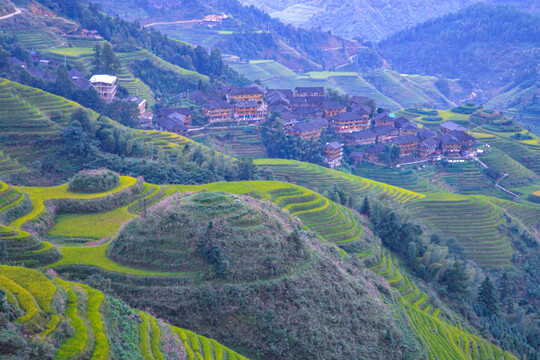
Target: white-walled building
[{"x": 105, "y": 85}]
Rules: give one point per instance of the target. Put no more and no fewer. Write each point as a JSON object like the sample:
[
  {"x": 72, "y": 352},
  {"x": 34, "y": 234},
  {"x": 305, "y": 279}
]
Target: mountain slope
[
  {"x": 373, "y": 20},
  {"x": 490, "y": 47},
  {"x": 45, "y": 317}
]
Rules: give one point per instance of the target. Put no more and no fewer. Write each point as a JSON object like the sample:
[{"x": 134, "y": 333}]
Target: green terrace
[
  {"x": 87, "y": 311},
  {"x": 477, "y": 217},
  {"x": 443, "y": 340},
  {"x": 237, "y": 142}
]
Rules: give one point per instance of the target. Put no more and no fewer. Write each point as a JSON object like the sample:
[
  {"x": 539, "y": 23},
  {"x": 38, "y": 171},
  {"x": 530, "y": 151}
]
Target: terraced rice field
[
  {"x": 472, "y": 220},
  {"x": 467, "y": 178},
  {"x": 135, "y": 86},
  {"x": 443, "y": 340},
  {"x": 526, "y": 156},
  {"x": 414, "y": 180},
  {"x": 517, "y": 173},
  {"x": 33, "y": 293},
  {"x": 237, "y": 142},
  {"x": 37, "y": 39},
  {"x": 18, "y": 116},
  {"x": 332, "y": 222},
  {"x": 321, "y": 178}
]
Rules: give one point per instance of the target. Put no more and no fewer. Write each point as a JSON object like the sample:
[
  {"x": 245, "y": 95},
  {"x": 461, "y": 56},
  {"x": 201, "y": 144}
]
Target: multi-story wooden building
[
  {"x": 247, "y": 112},
  {"x": 467, "y": 141},
  {"x": 245, "y": 94},
  {"x": 385, "y": 133},
  {"x": 217, "y": 111},
  {"x": 407, "y": 143},
  {"x": 450, "y": 144},
  {"x": 428, "y": 147},
  {"x": 308, "y": 130},
  {"x": 362, "y": 137},
  {"x": 105, "y": 85},
  {"x": 384, "y": 119},
  {"x": 176, "y": 113},
  {"x": 333, "y": 108},
  {"x": 141, "y": 104},
  {"x": 349, "y": 122},
  {"x": 333, "y": 154}
]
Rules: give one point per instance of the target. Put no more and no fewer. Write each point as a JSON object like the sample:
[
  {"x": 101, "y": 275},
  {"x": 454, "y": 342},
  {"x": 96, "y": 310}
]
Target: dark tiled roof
[
  {"x": 348, "y": 116},
  {"x": 307, "y": 126},
  {"x": 246, "y": 91},
  {"x": 362, "y": 109},
  {"x": 332, "y": 105},
  {"x": 431, "y": 142},
  {"x": 311, "y": 110},
  {"x": 134, "y": 99},
  {"x": 168, "y": 111},
  {"x": 461, "y": 136},
  {"x": 307, "y": 100},
  {"x": 405, "y": 139},
  {"x": 286, "y": 92},
  {"x": 309, "y": 90},
  {"x": 334, "y": 145},
  {"x": 170, "y": 124},
  {"x": 384, "y": 129},
  {"x": 382, "y": 115},
  {"x": 409, "y": 126},
  {"x": 450, "y": 125},
  {"x": 402, "y": 121},
  {"x": 375, "y": 148},
  {"x": 449, "y": 140},
  {"x": 213, "y": 105},
  {"x": 427, "y": 133},
  {"x": 356, "y": 154},
  {"x": 362, "y": 134}
]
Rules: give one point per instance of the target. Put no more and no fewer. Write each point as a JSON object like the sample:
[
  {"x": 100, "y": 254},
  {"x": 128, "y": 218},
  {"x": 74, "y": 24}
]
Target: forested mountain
[
  {"x": 373, "y": 20},
  {"x": 494, "y": 48},
  {"x": 246, "y": 32}
]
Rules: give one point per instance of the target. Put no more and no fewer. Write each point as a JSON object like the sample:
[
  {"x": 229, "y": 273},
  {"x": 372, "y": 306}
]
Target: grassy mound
[
  {"x": 235, "y": 237},
  {"x": 49, "y": 318}
]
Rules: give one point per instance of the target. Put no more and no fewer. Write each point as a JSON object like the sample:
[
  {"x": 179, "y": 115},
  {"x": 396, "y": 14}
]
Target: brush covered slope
[
  {"x": 44, "y": 317},
  {"x": 235, "y": 237},
  {"x": 257, "y": 283}
]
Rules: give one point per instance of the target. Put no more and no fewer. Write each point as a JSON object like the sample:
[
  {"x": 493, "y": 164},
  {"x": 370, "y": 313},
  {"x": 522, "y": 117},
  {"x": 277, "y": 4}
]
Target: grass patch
[{"x": 98, "y": 225}]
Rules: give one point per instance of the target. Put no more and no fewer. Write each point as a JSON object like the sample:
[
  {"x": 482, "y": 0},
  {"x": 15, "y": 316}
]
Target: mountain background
[{"x": 372, "y": 20}]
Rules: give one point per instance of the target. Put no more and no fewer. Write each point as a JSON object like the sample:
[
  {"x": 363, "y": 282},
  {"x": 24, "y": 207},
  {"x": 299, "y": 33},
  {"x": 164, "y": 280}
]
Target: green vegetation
[
  {"x": 94, "y": 181},
  {"x": 78, "y": 329}
]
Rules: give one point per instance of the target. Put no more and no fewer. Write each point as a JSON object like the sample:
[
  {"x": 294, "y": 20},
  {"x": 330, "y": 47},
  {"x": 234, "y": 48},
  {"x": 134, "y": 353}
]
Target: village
[
  {"x": 306, "y": 112},
  {"x": 371, "y": 135}
]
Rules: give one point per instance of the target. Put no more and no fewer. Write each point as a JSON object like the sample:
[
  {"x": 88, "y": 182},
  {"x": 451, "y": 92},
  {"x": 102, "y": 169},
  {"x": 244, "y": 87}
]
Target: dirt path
[{"x": 17, "y": 12}]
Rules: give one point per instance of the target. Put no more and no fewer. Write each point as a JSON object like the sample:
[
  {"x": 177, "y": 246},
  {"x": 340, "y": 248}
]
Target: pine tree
[
  {"x": 505, "y": 292},
  {"x": 110, "y": 64},
  {"x": 96, "y": 61},
  {"x": 456, "y": 279},
  {"x": 365, "y": 207},
  {"x": 486, "y": 296},
  {"x": 64, "y": 86}
]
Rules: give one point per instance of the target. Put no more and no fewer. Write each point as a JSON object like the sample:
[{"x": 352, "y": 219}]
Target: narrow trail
[
  {"x": 17, "y": 12},
  {"x": 173, "y": 22}
]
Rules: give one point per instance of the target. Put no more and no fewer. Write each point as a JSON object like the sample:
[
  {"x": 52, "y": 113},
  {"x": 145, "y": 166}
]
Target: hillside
[
  {"x": 368, "y": 19},
  {"x": 207, "y": 298},
  {"x": 45, "y": 317},
  {"x": 493, "y": 48}
]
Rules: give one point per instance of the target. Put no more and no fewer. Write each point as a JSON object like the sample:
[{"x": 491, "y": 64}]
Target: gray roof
[
  {"x": 362, "y": 109},
  {"x": 335, "y": 145},
  {"x": 447, "y": 139},
  {"x": 450, "y": 125},
  {"x": 362, "y": 134},
  {"x": 384, "y": 129},
  {"x": 375, "y": 148},
  {"x": 308, "y": 90},
  {"x": 170, "y": 124},
  {"x": 427, "y": 133},
  {"x": 332, "y": 105},
  {"x": 246, "y": 91},
  {"x": 217, "y": 105},
  {"x": 409, "y": 126},
  {"x": 308, "y": 126},
  {"x": 402, "y": 121},
  {"x": 461, "y": 136},
  {"x": 405, "y": 139},
  {"x": 348, "y": 116},
  {"x": 431, "y": 142}
]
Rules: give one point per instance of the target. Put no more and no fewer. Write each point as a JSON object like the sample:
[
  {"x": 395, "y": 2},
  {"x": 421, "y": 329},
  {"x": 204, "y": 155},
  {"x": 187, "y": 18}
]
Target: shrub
[
  {"x": 427, "y": 112},
  {"x": 432, "y": 118},
  {"x": 94, "y": 181}
]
